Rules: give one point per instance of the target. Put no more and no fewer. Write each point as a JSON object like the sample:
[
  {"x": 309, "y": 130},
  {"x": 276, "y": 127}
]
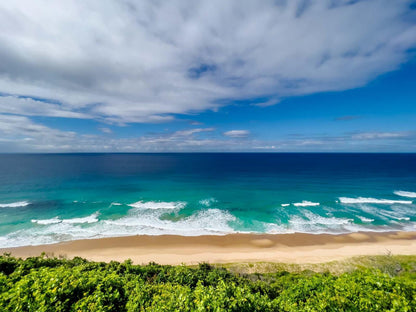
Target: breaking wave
[
  {"x": 47, "y": 221},
  {"x": 369, "y": 200},
  {"x": 15, "y": 204},
  {"x": 158, "y": 205},
  {"x": 89, "y": 219},
  {"x": 203, "y": 217},
  {"x": 306, "y": 203},
  {"x": 138, "y": 221},
  {"x": 405, "y": 194},
  {"x": 208, "y": 202}
]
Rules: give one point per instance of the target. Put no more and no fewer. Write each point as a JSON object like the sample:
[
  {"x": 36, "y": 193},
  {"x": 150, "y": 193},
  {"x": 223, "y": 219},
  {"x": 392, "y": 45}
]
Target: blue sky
[{"x": 270, "y": 76}]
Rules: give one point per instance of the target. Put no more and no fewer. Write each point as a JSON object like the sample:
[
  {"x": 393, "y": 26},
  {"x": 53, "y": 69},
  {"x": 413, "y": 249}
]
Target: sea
[{"x": 50, "y": 198}]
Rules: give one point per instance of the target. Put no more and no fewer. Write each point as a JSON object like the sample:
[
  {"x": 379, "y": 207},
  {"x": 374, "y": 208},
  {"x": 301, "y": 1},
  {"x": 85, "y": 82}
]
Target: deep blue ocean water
[{"x": 47, "y": 198}]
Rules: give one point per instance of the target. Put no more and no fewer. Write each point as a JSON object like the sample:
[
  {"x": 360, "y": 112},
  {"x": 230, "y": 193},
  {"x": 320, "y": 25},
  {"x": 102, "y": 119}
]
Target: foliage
[{"x": 50, "y": 284}]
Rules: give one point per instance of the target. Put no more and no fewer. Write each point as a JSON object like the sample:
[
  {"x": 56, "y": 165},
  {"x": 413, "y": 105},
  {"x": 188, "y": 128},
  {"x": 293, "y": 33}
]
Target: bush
[{"x": 50, "y": 284}]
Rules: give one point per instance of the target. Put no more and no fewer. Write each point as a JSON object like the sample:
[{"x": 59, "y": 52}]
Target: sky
[{"x": 208, "y": 76}]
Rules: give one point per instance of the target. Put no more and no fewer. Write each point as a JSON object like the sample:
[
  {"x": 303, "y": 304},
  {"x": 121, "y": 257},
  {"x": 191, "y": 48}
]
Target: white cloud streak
[
  {"x": 380, "y": 135},
  {"x": 237, "y": 133},
  {"x": 145, "y": 61},
  {"x": 105, "y": 130},
  {"x": 191, "y": 132}
]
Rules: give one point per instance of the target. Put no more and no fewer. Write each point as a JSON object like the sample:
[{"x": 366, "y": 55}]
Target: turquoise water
[{"x": 51, "y": 198}]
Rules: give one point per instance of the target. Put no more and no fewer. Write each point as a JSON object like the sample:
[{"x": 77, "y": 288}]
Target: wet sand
[{"x": 172, "y": 249}]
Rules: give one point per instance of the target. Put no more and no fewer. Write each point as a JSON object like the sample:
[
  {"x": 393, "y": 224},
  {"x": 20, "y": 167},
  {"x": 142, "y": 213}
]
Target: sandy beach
[{"x": 171, "y": 249}]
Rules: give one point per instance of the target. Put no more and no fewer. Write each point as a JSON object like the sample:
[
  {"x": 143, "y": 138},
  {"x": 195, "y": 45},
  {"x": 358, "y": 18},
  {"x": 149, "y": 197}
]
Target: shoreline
[{"x": 296, "y": 248}]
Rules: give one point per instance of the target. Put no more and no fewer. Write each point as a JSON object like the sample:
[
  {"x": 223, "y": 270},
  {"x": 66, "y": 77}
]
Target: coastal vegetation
[{"x": 385, "y": 283}]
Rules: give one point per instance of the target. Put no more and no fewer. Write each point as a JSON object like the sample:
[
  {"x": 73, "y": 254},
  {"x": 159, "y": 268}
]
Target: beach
[{"x": 173, "y": 249}]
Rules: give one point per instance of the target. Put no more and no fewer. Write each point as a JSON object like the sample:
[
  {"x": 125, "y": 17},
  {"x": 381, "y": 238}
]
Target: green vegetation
[{"x": 50, "y": 284}]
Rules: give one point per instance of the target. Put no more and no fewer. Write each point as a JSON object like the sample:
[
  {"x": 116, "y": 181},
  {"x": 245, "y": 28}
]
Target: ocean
[{"x": 49, "y": 198}]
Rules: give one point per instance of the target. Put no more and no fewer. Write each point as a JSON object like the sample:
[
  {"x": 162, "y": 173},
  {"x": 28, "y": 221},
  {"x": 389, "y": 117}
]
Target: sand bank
[{"x": 172, "y": 249}]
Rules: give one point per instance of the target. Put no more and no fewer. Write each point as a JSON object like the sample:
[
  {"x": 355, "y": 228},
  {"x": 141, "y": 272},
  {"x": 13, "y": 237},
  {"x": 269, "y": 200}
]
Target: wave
[
  {"x": 405, "y": 194},
  {"x": 397, "y": 215},
  {"x": 157, "y": 205},
  {"x": 313, "y": 223},
  {"x": 89, "y": 219},
  {"x": 388, "y": 214},
  {"x": 316, "y": 219},
  {"x": 369, "y": 200},
  {"x": 208, "y": 202},
  {"x": 160, "y": 218},
  {"x": 47, "y": 221},
  {"x": 364, "y": 219},
  {"x": 15, "y": 204},
  {"x": 306, "y": 203},
  {"x": 53, "y": 232},
  {"x": 137, "y": 222},
  {"x": 210, "y": 221}
]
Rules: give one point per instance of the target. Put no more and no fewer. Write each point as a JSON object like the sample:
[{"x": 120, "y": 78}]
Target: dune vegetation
[{"x": 385, "y": 283}]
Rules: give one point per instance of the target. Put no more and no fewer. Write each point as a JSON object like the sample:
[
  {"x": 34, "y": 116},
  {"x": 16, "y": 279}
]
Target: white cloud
[
  {"x": 270, "y": 102},
  {"x": 237, "y": 133},
  {"x": 144, "y": 61},
  {"x": 30, "y": 107},
  {"x": 190, "y": 132},
  {"x": 195, "y": 123},
  {"x": 21, "y": 133},
  {"x": 380, "y": 135},
  {"x": 105, "y": 130}
]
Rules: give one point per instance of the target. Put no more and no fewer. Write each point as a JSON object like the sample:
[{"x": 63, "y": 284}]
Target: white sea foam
[
  {"x": 306, "y": 203},
  {"x": 405, "y": 194},
  {"x": 157, "y": 205},
  {"x": 317, "y": 219},
  {"x": 273, "y": 228},
  {"x": 15, "y": 204},
  {"x": 48, "y": 234},
  {"x": 364, "y": 219},
  {"x": 285, "y": 205},
  {"x": 211, "y": 221},
  {"x": 389, "y": 213},
  {"x": 369, "y": 200},
  {"x": 314, "y": 223},
  {"x": 207, "y": 202},
  {"x": 404, "y": 211},
  {"x": 138, "y": 221},
  {"x": 397, "y": 215},
  {"x": 116, "y": 204},
  {"x": 47, "y": 221},
  {"x": 410, "y": 227},
  {"x": 89, "y": 219}
]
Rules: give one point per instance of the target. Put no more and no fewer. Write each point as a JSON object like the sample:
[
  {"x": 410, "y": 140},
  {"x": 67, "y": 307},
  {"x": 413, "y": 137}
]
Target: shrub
[{"x": 50, "y": 284}]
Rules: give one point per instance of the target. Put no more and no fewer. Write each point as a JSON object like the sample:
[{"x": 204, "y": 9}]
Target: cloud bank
[{"x": 145, "y": 61}]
